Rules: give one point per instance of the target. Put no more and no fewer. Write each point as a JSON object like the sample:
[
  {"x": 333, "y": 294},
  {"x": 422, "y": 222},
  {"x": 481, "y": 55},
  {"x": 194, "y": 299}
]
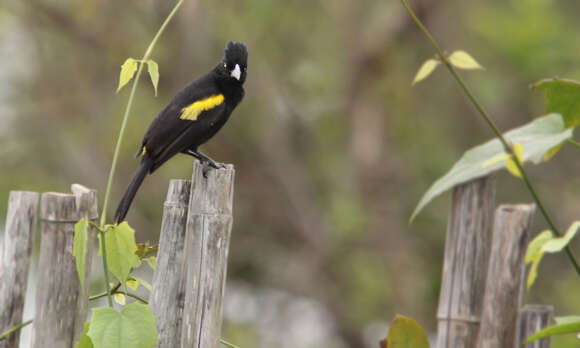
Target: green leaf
[
  {"x": 144, "y": 284},
  {"x": 406, "y": 333},
  {"x": 153, "y": 70},
  {"x": 80, "y": 248},
  {"x": 133, "y": 327},
  {"x": 537, "y": 137},
  {"x": 132, "y": 284},
  {"x": 128, "y": 69},
  {"x": 85, "y": 341},
  {"x": 555, "y": 330},
  {"x": 511, "y": 165},
  {"x": 152, "y": 261},
  {"x": 120, "y": 299},
  {"x": 121, "y": 247},
  {"x": 425, "y": 70},
  {"x": 567, "y": 319},
  {"x": 557, "y": 244},
  {"x": 546, "y": 243},
  {"x": 534, "y": 254},
  {"x": 562, "y": 97},
  {"x": 463, "y": 60},
  {"x": 145, "y": 250}
]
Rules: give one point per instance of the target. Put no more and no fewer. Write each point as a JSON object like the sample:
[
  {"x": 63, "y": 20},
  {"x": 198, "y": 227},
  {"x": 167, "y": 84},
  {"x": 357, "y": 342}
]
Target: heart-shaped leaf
[{"x": 536, "y": 137}]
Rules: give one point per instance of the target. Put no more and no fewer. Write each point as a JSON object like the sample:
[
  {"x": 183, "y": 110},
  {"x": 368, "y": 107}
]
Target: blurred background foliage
[{"x": 332, "y": 146}]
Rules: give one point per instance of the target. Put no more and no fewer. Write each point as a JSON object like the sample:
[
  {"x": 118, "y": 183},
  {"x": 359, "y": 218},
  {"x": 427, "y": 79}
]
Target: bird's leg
[{"x": 205, "y": 160}]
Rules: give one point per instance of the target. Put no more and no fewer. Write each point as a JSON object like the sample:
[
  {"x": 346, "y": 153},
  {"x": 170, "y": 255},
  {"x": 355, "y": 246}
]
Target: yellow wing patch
[{"x": 192, "y": 111}]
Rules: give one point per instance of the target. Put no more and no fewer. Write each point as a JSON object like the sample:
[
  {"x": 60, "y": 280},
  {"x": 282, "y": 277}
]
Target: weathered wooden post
[
  {"x": 61, "y": 306},
  {"x": 534, "y": 318},
  {"x": 209, "y": 225},
  {"x": 167, "y": 294},
  {"x": 505, "y": 275},
  {"x": 15, "y": 260},
  {"x": 467, "y": 248}
]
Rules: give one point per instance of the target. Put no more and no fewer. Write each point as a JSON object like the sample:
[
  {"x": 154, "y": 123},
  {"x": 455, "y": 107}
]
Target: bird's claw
[{"x": 212, "y": 164}]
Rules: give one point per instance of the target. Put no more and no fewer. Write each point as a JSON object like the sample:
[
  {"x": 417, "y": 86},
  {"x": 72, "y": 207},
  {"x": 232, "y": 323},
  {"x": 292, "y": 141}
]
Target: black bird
[{"x": 194, "y": 115}]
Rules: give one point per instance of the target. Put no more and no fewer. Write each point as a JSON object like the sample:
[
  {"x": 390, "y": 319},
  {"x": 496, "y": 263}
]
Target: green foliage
[
  {"x": 563, "y": 97},
  {"x": 534, "y": 255},
  {"x": 120, "y": 298},
  {"x": 151, "y": 261},
  {"x": 133, "y": 327},
  {"x": 80, "y": 248},
  {"x": 406, "y": 333},
  {"x": 567, "y": 319},
  {"x": 558, "y": 329},
  {"x": 153, "y": 70},
  {"x": 462, "y": 60},
  {"x": 546, "y": 243},
  {"x": 128, "y": 69},
  {"x": 536, "y": 137},
  {"x": 85, "y": 340},
  {"x": 132, "y": 284},
  {"x": 121, "y": 248},
  {"x": 143, "y": 283}
]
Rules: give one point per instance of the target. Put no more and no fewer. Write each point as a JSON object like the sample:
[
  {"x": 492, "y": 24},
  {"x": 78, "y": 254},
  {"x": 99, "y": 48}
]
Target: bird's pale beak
[{"x": 237, "y": 72}]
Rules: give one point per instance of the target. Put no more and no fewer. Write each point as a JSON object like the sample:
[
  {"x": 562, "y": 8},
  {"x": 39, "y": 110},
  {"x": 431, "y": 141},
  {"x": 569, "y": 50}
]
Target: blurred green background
[{"x": 332, "y": 146}]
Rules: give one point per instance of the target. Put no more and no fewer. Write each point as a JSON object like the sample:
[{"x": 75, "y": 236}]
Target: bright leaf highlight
[
  {"x": 128, "y": 69},
  {"x": 463, "y": 60},
  {"x": 425, "y": 70}
]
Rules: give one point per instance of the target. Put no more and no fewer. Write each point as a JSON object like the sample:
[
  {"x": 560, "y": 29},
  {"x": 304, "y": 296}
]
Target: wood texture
[
  {"x": 505, "y": 276},
  {"x": 208, "y": 232},
  {"x": 467, "y": 248},
  {"x": 167, "y": 294},
  {"x": 61, "y": 308},
  {"x": 534, "y": 318},
  {"x": 15, "y": 260}
]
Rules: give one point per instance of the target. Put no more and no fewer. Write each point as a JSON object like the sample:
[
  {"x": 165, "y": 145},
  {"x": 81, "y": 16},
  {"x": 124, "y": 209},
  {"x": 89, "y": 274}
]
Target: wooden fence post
[
  {"x": 465, "y": 263},
  {"x": 167, "y": 294},
  {"x": 61, "y": 307},
  {"x": 534, "y": 318},
  {"x": 15, "y": 260},
  {"x": 505, "y": 276},
  {"x": 209, "y": 225}
]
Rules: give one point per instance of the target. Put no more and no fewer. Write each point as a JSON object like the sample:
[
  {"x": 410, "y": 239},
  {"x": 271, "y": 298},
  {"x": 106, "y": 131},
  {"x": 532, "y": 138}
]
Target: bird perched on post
[{"x": 194, "y": 115}]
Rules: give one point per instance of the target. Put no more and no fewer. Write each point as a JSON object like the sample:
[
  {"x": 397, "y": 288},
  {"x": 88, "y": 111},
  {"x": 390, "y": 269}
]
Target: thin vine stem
[
  {"x": 574, "y": 142},
  {"x": 106, "y": 269},
  {"x": 120, "y": 141},
  {"x": 508, "y": 149},
  {"x": 228, "y": 344},
  {"x": 13, "y": 329}
]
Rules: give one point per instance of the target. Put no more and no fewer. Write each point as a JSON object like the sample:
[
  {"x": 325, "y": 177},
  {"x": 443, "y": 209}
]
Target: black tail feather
[{"x": 132, "y": 189}]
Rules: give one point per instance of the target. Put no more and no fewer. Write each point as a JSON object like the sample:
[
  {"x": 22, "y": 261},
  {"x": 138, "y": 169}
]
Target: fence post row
[
  {"x": 505, "y": 276},
  {"x": 534, "y": 318},
  {"x": 15, "y": 260},
  {"x": 61, "y": 305},
  {"x": 168, "y": 292},
  {"x": 189, "y": 280},
  {"x": 465, "y": 264}
]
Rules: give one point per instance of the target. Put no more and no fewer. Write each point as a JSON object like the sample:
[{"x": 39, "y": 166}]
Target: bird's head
[{"x": 235, "y": 62}]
